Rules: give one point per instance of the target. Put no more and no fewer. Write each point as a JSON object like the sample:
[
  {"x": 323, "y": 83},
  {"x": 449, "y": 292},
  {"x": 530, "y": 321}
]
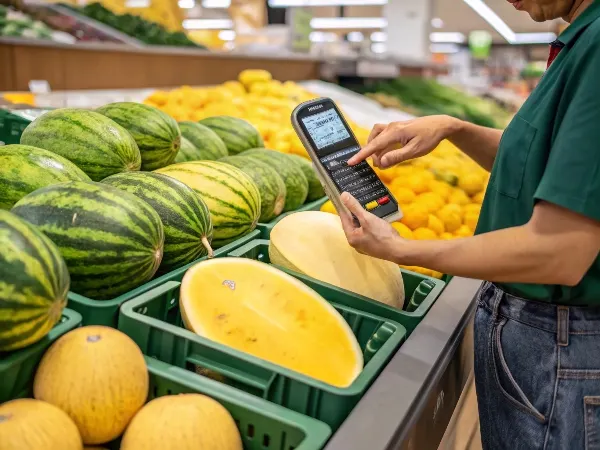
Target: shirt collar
[{"x": 581, "y": 23}]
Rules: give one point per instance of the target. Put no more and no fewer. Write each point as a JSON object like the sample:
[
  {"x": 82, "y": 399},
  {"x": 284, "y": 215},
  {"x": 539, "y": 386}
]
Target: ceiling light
[
  {"x": 447, "y": 37},
  {"x": 338, "y": 23},
  {"x": 436, "y": 22},
  {"x": 444, "y": 48},
  {"x": 291, "y": 3},
  {"x": 320, "y": 36},
  {"x": 137, "y": 3},
  {"x": 356, "y": 36},
  {"x": 378, "y": 36},
  {"x": 378, "y": 47},
  {"x": 227, "y": 35},
  {"x": 216, "y": 3},
  {"x": 492, "y": 18},
  {"x": 534, "y": 38},
  {"x": 186, "y": 4},
  {"x": 207, "y": 24}
]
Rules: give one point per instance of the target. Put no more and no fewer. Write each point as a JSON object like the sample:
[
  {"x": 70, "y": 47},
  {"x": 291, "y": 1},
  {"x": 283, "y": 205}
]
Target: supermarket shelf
[{"x": 412, "y": 401}]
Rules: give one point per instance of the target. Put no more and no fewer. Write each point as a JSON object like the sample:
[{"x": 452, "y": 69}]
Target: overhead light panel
[
  {"x": 321, "y": 36},
  {"x": 378, "y": 36},
  {"x": 444, "y": 48},
  {"x": 492, "y": 18},
  {"x": 436, "y": 22},
  {"x": 216, "y": 3},
  {"x": 207, "y": 24},
  {"x": 534, "y": 38},
  {"x": 298, "y": 3},
  {"x": 379, "y": 47},
  {"x": 447, "y": 37},
  {"x": 227, "y": 35},
  {"x": 186, "y": 4},
  {"x": 356, "y": 36},
  {"x": 345, "y": 23}
]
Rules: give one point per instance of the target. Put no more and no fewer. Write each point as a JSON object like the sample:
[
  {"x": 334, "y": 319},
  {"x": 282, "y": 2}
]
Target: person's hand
[
  {"x": 400, "y": 141},
  {"x": 374, "y": 237}
]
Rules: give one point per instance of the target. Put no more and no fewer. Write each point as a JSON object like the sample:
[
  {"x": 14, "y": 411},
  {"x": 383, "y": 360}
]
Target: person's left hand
[{"x": 374, "y": 237}]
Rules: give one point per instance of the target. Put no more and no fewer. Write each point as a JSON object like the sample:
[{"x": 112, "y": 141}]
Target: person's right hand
[{"x": 400, "y": 141}]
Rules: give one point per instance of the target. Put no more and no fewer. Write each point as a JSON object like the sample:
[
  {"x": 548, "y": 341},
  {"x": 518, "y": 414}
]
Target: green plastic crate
[
  {"x": 153, "y": 321},
  {"x": 106, "y": 312},
  {"x": 266, "y": 228},
  {"x": 421, "y": 291},
  {"x": 17, "y": 368},
  {"x": 262, "y": 425}
]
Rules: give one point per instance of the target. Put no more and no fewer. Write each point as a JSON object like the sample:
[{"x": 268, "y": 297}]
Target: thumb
[
  {"x": 397, "y": 156},
  {"x": 353, "y": 206}
]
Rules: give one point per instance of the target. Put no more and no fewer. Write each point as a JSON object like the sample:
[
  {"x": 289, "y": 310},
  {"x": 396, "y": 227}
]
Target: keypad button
[
  {"x": 383, "y": 200},
  {"x": 371, "y": 205}
]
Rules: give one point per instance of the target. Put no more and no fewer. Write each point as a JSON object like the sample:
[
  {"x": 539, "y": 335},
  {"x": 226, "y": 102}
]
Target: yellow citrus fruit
[
  {"x": 436, "y": 274},
  {"x": 459, "y": 197},
  {"x": 471, "y": 219},
  {"x": 415, "y": 216},
  {"x": 451, "y": 216},
  {"x": 471, "y": 183},
  {"x": 431, "y": 201},
  {"x": 403, "y": 230},
  {"x": 328, "y": 207},
  {"x": 435, "y": 225},
  {"x": 463, "y": 231},
  {"x": 418, "y": 183},
  {"x": 478, "y": 198},
  {"x": 440, "y": 188},
  {"x": 421, "y": 270},
  {"x": 446, "y": 236},
  {"x": 424, "y": 234},
  {"x": 402, "y": 194},
  {"x": 427, "y": 175},
  {"x": 474, "y": 208}
]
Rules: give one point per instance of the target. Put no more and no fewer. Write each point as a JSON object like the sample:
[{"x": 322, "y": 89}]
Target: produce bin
[
  {"x": 153, "y": 321},
  {"x": 106, "y": 312},
  {"x": 17, "y": 368},
  {"x": 262, "y": 425},
  {"x": 266, "y": 228},
  {"x": 419, "y": 290}
]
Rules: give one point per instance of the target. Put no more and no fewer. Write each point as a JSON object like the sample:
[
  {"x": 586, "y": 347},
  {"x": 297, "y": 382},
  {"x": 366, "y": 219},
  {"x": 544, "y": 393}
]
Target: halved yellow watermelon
[
  {"x": 314, "y": 243},
  {"x": 258, "y": 309}
]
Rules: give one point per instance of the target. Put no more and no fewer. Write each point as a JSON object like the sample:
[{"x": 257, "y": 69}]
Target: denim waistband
[{"x": 546, "y": 316}]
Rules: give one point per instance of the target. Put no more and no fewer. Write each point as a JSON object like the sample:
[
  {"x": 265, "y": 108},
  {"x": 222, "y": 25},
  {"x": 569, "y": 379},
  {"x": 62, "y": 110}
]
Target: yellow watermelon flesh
[{"x": 258, "y": 309}]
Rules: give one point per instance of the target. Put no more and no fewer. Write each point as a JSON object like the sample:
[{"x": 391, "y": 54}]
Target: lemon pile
[
  {"x": 440, "y": 196},
  {"x": 255, "y": 97}
]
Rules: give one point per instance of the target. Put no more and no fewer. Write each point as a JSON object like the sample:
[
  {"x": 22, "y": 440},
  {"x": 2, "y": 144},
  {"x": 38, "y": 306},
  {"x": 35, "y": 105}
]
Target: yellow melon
[
  {"x": 314, "y": 243},
  {"x": 258, "y": 309},
  {"x": 28, "y": 424},
  {"x": 182, "y": 422},
  {"x": 98, "y": 376}
]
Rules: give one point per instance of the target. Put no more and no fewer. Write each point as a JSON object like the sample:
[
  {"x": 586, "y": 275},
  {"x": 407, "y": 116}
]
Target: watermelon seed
[
  {"x": 94, "y": 338},
  {"x": 5, "y": 417}
]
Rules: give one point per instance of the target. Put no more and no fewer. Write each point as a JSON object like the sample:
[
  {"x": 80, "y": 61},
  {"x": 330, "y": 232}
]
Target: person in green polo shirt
[{"x": 537, "y": 325}]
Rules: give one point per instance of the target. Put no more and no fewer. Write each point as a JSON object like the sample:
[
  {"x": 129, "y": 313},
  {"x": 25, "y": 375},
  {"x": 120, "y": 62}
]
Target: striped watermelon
[
  {"x": 34, "y": 283},
  {"x": 94, "y": 143},
  {"x": 111, "y": 241},
  {"x": 23, "y": 169},
  {"x": 187, "y": 151},
  {"x": 208, "y": 145},
  {"x": 237, "y": 134},
  {"x": 232, "y": 197},
  {"x": 185, "y": 216},
  {"x": 270, "y": 184},
  {"x": 315, "y": 188},
  {"x": 155, "y": 132},
  {"x": 296, "y": 184}
]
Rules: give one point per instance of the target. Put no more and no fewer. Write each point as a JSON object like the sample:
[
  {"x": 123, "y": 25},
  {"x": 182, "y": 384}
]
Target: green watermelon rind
[
  {"x": 111, "y": 241},
  {"x": 208, "y": 145},
  {"x": 315, "y": 188},
  {"x": 237, "y": 134},
  {"x": 34, "y": 283},
  {"x": 296, "y": 184},
  {"x": 187, "y": 151},
  {"x": 155, "y": 132},
  {"x": 96, "y": 144},
  {"x": 23, "y": 169},
  {"x": 184, "y": 215},
  {"x": 270, "y": 184}
]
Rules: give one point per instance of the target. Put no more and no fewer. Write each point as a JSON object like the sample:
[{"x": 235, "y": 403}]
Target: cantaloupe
[
  {"x": 182, "y": 422},
  {"x": 28, "y": 424},
  {"x": 258, "y": 309},
  {"x": 313, "y": 243},
  {"x": 98, "y": 376}
]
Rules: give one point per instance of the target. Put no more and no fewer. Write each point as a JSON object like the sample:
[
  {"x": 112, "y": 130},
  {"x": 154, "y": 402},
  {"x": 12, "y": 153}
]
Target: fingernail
[
  {"x": 351, "y": 161},
  {"x": 345, "y": 196}
]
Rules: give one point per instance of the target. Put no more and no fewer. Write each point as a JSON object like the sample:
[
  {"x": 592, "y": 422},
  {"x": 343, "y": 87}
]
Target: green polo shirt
[{"x": 551, "y": 152}]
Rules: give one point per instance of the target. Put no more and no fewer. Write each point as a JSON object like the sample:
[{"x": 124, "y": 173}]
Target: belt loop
[
  {"x": 498, "y": 293},
  {"x": 562, "y": 326}
]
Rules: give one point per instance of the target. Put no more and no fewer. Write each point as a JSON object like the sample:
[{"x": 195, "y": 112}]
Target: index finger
[{"x": 381, "y": 142}]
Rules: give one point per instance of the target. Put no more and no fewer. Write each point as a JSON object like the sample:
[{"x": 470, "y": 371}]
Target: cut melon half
[
  {"x": 260, "y": 310},
  {"x": 313, "y": 243}
]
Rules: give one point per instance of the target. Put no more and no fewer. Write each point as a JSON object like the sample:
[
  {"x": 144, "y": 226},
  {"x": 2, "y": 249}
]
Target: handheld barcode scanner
[{"x": 331, "y": 143}]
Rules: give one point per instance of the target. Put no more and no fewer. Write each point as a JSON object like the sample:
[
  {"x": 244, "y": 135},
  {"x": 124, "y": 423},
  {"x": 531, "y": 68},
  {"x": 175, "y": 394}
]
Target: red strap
[{"x": 554, "y": 51}]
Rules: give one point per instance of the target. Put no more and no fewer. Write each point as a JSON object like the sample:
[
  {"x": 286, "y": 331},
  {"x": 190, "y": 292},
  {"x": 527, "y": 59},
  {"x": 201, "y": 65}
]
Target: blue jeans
[{"x": 537, "y": 372}]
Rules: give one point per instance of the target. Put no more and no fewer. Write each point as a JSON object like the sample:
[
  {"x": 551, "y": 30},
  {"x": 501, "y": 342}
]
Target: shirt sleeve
[{"x": 571, "y": 178}]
